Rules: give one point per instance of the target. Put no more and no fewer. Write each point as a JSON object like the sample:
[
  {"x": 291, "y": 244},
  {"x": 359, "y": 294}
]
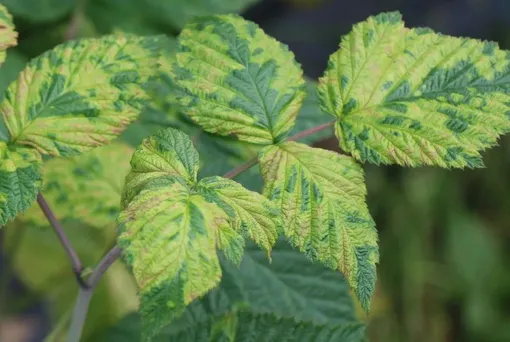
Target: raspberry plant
[{"x": 394, "y": 95}]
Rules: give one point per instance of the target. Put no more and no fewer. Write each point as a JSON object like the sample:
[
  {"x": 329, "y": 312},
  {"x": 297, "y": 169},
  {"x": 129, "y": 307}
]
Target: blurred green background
[{"x": 444, "y": 235}]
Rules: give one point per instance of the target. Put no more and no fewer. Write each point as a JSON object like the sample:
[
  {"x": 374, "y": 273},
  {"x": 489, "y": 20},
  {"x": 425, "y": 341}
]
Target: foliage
[{"x": 218, "y": 99}]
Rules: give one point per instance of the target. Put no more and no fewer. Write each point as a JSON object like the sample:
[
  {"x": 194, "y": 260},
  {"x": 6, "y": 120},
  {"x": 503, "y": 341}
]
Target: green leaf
[
  {"x": 322, "y": 197},
  {"x": 168, "y": 236},
  {"x": 170, "y": 226},
  {"x": 252, "y": 215},
  {"x": 79, "y": 95},
  {"x": 179, "y": 12},
  {"x": 86, "y": 188},
  {"x": 236, "y": 80},
  {"x": 243, "y": 326},
  {"x": 8, "y": 37},
  {"x": 14, "y": 63},
  {"x": 39, "y": 10},
  {"x": 414, "y": 97},
  {"x": 290, "y": 286},
  {"x": 20, "y": 180}
]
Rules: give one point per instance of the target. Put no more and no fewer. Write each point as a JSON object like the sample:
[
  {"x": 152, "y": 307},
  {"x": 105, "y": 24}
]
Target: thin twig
[
  {"x": 310, "y": 131},
  {"x": 59, "y": 230},
  {"x": 103, "y": 265},
  {"x": 85, "y": 295},
  {"x": 240, "y": 169}
]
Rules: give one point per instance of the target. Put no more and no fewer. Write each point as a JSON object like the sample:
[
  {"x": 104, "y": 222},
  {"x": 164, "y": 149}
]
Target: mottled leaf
[
  {"x": 168, "y": 237},
  {"x": 414, "y": 97},
  {"x": 86, "y": 188},
  {"x": 39, "y": 10},
  {"x": 20, "y": 179},
  {"x": 167, "y": 153},
  {"x": 252, "y": 215},
  {"x": 243, "y": 326},
  {"x": 322, "y": 198},
  {"x": 14, "y": 63},
  {"x": 171, "y": 226},
  {"x": 79, "y": 95},
  {"x": 8, "y": 37},
  {"x": 236, "y": 80}
]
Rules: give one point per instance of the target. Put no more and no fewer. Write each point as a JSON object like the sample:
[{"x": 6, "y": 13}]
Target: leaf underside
[
  {"x": 414, "y": 97},
  {"x": 322, "y": 198},
  {"x": 8, "y": 37},
  {"x": 170, "y": 226},
  {"x": 236, "y": 80}
]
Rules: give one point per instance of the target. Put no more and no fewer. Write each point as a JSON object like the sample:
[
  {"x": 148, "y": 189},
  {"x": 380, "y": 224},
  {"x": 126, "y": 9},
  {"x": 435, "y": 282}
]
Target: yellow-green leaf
[
  {"x": 165, "y": 153},
  {"x": 168, "y": 236},
  {"x": 80, "y": 95},
  {"x": 20, "y": 179},
  {"x": 414, "y": 97},
  {"x": 86, "y": 188},
  {"x": 171, "y": 225},
  {"x": 252, "y": 214},
  {"x": 236, "y": 80},
  {"x": 322, "y": 198},
  {"x": 8, "y": 37}
]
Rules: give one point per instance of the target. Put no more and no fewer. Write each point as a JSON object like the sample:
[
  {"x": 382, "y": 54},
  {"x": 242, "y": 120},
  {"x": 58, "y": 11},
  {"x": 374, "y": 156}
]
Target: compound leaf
[
  {"x": 168, "y": 237},
  {"x": 8, "y": 37},
  {"x": 20, "y": 179},
  {"x": 252, "y": 214},
  {"x": 414, "y": 97},
  {"x": 322, "y": 197},
  {"x": 236, "y": 80},
  {"x": 79, "y": 95},
  {"x": 170, "y": 226}
]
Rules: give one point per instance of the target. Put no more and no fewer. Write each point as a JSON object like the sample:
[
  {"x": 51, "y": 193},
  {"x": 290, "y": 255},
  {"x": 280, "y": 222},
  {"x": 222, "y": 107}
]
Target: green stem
[{"x": 303, "y": 134}]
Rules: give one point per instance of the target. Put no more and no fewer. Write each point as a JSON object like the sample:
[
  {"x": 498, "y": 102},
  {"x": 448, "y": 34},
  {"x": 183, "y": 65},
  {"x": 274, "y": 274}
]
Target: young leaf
[
  {"x": 170, "y": 226},
  {"x": 79, "y": 95},
  {"x": 168, "y": 236},
  {"x": 7, "y": 34},
  {"x": 414, "y": 97},
  {"x": 20, "y": 179},
  {"x": 237, "y": 80},
  {"x": 167, "y": 153},
  {"x": 249, "y": 212},
  {"x": 322, "y": 197}
]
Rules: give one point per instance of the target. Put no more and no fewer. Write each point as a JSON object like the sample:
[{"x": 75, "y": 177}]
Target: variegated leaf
[
  {"x": 322, "y": 198},
  {"x": 79, "y": 95},
  {"x": 236, "y": 80},
  {"x": 171, "y": 225},
  {"x": 414, "y": 97},
  {"x": 8, "y": 37}
]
